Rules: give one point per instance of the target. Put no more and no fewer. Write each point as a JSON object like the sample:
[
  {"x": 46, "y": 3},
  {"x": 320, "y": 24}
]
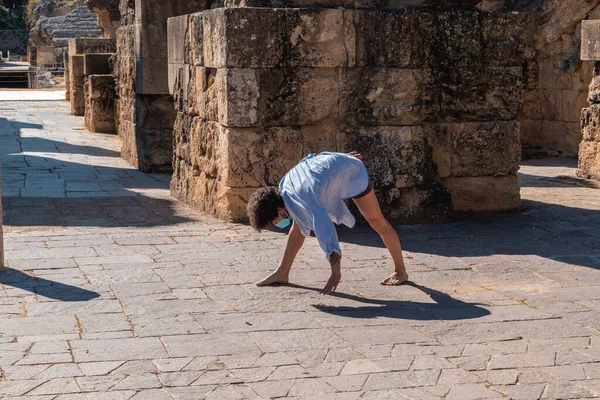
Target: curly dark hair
[{"x": 262, "y": 207}]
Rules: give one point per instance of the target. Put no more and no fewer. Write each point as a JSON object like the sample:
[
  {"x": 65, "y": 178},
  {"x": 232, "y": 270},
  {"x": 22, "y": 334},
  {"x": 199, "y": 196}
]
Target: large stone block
[
  {"x": 209, "y": 195},
  {"x": 248, "y": 157},
  {"x": 320, "y": 137},
  {"x": 151, "y": 40},
  {"x": 100, "y": 101},
  {"x": 589, "y": 160},
  {"x": 396, "y": 156},
  {"x": 475, "y": 148},
  {"x": 244, "y": 37},
  {"x": 481, "y": 94},
  {"x": 430, "y": 203},
  {"x": 319, "y": 38},
  {"x": 76, "y": 79},
  {"x": 386, "y": 38},
  {"x": 177, "y": 30},
  {"x": 152, "y": 76},
  {"x": 97, "y": 63},
  {"x": 298, "y": 96},
  {"x": 484, "y": 193},
  {"x": 388, "y": 96},
  {"x": 590, "y": 40},
  {"x": 239, "y": 96},
  {"x": 91, "y": 45},
  {"x": 508, "y": 39},
  {"x": 194, "y": 50}
]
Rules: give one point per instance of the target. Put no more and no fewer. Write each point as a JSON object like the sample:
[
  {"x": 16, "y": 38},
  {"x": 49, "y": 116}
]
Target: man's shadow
[
  {"x": 44, "y": 287},
  {"x": 444, "y": 306}
]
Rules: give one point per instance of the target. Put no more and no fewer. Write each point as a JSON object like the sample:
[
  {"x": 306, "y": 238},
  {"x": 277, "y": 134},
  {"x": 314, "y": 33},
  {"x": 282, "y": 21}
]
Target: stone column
[
  {"x": 99, "y": 93},
  {"x": 67, "y": 77},
  {"x": 76, "y": 93},
  {"x": 145, "y": 109},
  {"x": 589, "y": 148},
  {"x": 77, "y": 49}
]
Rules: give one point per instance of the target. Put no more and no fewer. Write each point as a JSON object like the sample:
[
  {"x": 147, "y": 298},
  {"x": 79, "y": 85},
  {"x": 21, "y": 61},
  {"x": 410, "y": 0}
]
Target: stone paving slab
[{"x": 116, "y": 291}]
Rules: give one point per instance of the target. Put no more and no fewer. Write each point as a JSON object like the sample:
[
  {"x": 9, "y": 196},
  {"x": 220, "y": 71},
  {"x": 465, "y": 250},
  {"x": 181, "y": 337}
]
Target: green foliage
[{"x": 10, "y": 21}]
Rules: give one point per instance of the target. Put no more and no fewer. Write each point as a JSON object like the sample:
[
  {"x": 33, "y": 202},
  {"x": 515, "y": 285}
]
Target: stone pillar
[
  {"x": 67, "y": 77},
  {"x": 77, "y": 49},
  {"x": 145, "y": 108},
  {"x": 76, "y": 92},
  {"x": 99, "y": 93},
  {"x": 429, "y": 96},
  {"x": 589, "y": 148},
  {"x": 99, "y": 107}
]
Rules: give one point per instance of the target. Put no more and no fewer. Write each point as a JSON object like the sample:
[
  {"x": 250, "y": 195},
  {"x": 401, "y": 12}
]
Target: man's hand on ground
[
  {"x": 355, "y": 154},
  {"x": 335, "y": 260},
  {"x": 332, "y": 283}
]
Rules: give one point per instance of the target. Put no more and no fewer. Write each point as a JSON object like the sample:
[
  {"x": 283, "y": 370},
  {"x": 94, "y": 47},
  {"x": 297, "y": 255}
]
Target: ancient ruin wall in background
[
  {"x": 145, "y": 112},
  {"x": 429, "y": 96},
  {"x": 557, "y": 89}
]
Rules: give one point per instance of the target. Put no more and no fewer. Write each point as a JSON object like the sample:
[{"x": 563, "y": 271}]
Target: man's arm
[
  {"x": 328, "y": 240},
  {"x": 294, "y": 244}
]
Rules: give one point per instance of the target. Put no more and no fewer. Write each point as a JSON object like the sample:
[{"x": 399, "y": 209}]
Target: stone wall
[
  {"x": 589, "y": 148},
  {"x": 145, "y": 112},
  {"x": 14, "y": 41},
  {"x": 429, "y": 96},
  {"x": 557, "y": 88},
  {"x": 53, "y": 24}
]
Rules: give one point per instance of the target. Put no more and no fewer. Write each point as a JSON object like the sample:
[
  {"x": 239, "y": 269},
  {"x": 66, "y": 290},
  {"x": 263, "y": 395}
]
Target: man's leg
[
  {"x": 369, "y": 208},
  {"x": 293, "y": 245}
]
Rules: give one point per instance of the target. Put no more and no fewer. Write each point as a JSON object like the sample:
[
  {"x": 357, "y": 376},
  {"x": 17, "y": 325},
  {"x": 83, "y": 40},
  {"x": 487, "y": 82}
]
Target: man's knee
[{"x": 379, "y": 223}]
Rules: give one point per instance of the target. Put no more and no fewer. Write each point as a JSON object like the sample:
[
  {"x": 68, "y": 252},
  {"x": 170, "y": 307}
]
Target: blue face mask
[
  {"x": 284, "y": 223},
  {"x": 285, "y": 220}
]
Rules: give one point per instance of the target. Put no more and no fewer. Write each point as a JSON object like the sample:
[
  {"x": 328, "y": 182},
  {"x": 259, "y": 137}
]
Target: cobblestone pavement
[{"x": 115, "y": 291}]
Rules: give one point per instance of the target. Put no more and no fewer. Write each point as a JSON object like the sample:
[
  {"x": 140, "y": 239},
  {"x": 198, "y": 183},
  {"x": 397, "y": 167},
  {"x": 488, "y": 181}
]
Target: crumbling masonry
[
  {"x": 429, "y": 96},
  {"x": 440, "y": 96}
]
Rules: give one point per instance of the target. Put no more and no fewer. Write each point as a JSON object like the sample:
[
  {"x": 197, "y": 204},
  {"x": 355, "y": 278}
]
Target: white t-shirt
[{"x": 314, "y": 191}]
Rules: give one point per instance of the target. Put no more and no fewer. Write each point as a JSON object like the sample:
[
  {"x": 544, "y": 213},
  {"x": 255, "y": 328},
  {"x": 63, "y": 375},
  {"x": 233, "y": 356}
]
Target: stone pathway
[{"x": 115, "y": 291}]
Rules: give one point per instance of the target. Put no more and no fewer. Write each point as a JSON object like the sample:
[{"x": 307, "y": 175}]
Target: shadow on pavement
[
  {"x": 526, "y": 180},
  {"x": 40, "y": 190},
  {"x": 554, "y": 232},
  {"x": 445, "y": 307},
  {"x": 44, "y": 287}
]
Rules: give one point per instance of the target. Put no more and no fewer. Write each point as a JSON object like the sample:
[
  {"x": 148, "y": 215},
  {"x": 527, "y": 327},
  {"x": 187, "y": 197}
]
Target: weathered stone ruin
[
  {"x": 441, "y": 96},
  {"x": 79, "y": 49},
  {"x": 429, "y": 96},
  {"x": 99, "y": 91},
  {"x": 53, "y": 23},
  {"x": 589, "y": 148},
  {"x": 145, "y": 108},
  {"x": 558, "y": 89},
  {"x": 109, "y": 16}
]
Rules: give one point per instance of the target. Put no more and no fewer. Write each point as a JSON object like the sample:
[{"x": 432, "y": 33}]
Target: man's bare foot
[
  {"x": 275, "y": 277},
  {"x": 395, "y": 279}
]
